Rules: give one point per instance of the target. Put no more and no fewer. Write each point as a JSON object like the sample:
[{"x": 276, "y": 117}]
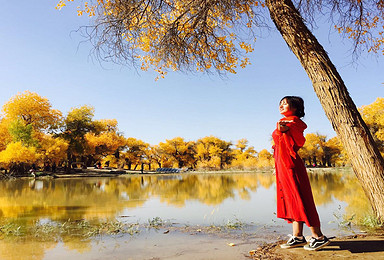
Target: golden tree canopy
[
  {"x": 18, "y": 153},
  {"x": 179, "y": 151},
  {"x": 202, "y": 35},
  {"x": 33, "y": 110},
  {"x": 105, "y": 125},
  {"x": 105, "y": 143},
  {"x": 373, "y": 116},
  {"x": 5, "y": 136},
  {"x": 53, "y": 149}
]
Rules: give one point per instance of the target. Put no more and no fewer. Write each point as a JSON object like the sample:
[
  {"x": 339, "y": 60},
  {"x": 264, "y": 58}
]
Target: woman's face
[{"x": 285, "y": 109}]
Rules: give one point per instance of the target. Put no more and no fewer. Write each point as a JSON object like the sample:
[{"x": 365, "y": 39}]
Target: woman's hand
[{"x": 282, "y": 125}]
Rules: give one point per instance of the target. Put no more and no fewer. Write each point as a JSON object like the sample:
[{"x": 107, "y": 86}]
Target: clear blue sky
[{"x": 40, "y": 52}]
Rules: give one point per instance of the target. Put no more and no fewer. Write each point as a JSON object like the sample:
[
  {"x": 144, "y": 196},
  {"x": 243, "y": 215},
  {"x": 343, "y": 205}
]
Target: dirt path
[{"x": 352, "y": 247}]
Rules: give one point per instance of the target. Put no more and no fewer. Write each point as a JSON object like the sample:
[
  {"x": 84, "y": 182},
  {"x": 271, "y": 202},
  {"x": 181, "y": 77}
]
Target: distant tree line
[{"x": 33, "y": 135}]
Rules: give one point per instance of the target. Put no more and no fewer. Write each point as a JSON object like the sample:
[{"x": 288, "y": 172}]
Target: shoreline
[
  {"x": 185, "y": 242},
  {"x": 110, "y": 172}
]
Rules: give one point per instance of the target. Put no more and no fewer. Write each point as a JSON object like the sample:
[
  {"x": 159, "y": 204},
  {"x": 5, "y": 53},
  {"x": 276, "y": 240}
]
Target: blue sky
[{"x": 41, "y": 52}]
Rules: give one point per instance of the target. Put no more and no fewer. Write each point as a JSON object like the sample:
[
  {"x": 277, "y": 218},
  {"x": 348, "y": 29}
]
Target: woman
[{"x": 295, "y": 201}]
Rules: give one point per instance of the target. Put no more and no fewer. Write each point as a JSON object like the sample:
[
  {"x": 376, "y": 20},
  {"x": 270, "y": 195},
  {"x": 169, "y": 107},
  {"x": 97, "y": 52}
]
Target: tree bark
[{"x": 341, "y": 111}]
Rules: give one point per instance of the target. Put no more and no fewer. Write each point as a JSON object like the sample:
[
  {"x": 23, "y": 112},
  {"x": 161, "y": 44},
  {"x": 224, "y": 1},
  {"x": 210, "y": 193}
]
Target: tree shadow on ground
[{"x": 360, "y": 246}]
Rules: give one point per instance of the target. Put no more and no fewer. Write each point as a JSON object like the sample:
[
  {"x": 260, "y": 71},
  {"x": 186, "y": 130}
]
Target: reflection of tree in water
[
  {"x": 88, "y": 198},
  {"x": 325, "y": 186},
  {"x": 208, "y": 189},
  {"x": 342, "y": 186},
  {"x": 96, "y": 200},
  {"x": 21, "y": 249},
  {"x": 104, "y": 198},
  {"x": 77, "y": 243}
]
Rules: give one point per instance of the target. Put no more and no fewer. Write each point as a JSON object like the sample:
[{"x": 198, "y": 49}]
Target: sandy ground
[{"x": 352, "y": 247}]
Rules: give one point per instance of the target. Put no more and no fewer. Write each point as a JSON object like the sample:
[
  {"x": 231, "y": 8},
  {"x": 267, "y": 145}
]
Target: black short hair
[{"x": 297, "y": 103}]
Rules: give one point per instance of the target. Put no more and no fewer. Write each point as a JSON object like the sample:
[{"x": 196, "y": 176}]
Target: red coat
[{"x": 294, "y": 194}]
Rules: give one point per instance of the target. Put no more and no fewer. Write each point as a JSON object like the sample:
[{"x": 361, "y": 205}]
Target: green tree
[
  {"x": 21, "y": 132},
  {"x": 77, "y": 123}
]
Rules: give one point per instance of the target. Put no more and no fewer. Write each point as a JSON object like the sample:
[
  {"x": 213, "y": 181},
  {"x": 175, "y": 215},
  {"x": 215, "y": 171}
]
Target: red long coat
[{"x": 294, "y": 194}]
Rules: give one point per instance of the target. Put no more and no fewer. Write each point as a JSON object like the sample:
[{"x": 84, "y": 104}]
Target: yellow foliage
[
  {"x": 244, "y": 157},
  {"x": 146, "y": 29},
  {"x": 368, "y": 29},
  {"x": 32, "y": 109},
  {"x": 213, "y": 153},
  {"x": 178, "y": 152},
  {"x": 112, "y": 161},
  {"x": 313, "y": 148},
  {"x": 105, "y": 125},
  {"x": 84, "y": 113},
  {"x": 104, "y": 143},
  {"x": 17, "y": 153},
  {"x": 53, "y": 149},
  {"x": 5, "y": 137},
  {"x": 136, "y": 152},
  {"x": 337, "y": 153},
  {"x": 265, "y": 159},
  {"x": 158, "y": 155},
  {"x": 373, "y": 117}
]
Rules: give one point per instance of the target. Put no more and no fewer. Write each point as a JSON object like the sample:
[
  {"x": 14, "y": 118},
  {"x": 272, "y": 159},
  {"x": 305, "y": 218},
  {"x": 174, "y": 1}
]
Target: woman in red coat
[{"x": 295, "y": 201}]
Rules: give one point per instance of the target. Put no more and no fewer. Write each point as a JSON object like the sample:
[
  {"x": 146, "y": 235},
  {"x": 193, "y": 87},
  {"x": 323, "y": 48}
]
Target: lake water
[{"x": 180, "y": 200}]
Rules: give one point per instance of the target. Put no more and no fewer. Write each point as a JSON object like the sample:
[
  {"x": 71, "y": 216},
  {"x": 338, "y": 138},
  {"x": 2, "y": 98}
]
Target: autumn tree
[
  {"x": 159, "y": 156},
  {"x": 335, "y": 154},
  {"x": 181, "y": 152},
  {"x": 206, "y": 35},
  {"x": 134, "y": 153},
  {"x": 21, "y": 132},
  {"x": 312, "y": 151},
  {"x": 265, "y": 159},
  {"x": 5, "y": 136},
  {"x": 317, "y": 150},
  {"x": 213, "y": 153},
  {"x": 52, "y": 150},
  {"x": 105, "y": 125},
  {"x": 104, "y": 140},
  {"x": 18, "y": 158},
  {"x": 32, "y": 109},
  {"x": 77, "y": 123},
  {"x": 244, "y": 156},
  {"x": 27, "y": 121},
  {"x": 373, "y": 115}
]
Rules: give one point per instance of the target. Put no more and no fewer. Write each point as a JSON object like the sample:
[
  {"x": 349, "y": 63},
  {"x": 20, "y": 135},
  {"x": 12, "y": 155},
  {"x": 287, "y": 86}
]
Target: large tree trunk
[{"x": 365, "y": 158}]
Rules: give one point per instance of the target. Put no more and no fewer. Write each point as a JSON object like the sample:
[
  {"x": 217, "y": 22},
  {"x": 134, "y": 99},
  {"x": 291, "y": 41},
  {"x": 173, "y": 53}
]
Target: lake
[{"x": 32, "y": 209}]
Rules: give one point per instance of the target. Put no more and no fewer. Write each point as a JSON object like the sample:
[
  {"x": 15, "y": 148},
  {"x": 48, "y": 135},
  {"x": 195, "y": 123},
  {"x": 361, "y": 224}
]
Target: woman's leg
[
  {"x": 317, "y": 241},
  {"x": 316, "y": 232},
  {"x": 297, "y": 238},
  {"x": 297, "y": 228}
]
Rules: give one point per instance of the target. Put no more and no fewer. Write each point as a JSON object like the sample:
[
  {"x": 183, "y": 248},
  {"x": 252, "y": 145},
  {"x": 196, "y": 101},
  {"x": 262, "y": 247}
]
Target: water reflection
[
  {"x": 248, "y": 196},
  {"x": 63, "y": 199},
  {"x": 343, "y": 187}
]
